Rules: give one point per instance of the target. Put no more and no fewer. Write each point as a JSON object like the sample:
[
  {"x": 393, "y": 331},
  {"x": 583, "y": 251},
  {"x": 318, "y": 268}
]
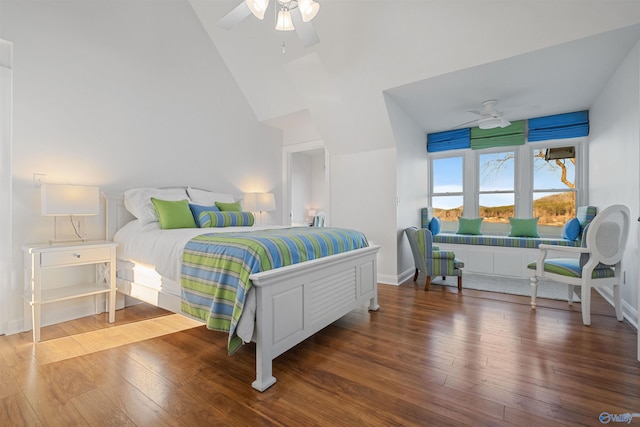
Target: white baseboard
[
  {"x": 396, "y": 280},
  {"x": 629, "y": 313},
  {"x": 388, "y": 279}
]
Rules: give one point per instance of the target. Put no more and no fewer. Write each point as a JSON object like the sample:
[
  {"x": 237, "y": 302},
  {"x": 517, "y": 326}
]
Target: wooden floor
[{"x": 426, "y": 358}]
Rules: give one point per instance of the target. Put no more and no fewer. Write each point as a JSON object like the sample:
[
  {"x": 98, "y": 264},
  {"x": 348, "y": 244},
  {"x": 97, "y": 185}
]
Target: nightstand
[{"x": 39, "y": 259}]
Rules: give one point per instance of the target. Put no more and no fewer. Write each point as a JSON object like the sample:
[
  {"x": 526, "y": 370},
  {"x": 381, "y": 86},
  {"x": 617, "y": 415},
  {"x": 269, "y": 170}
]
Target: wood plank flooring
[{"x": 426, "y": 358}]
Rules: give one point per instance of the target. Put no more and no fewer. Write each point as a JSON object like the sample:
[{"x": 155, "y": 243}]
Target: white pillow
[
  {"x": 138, "y": 201},
  {"x": 208, "y": 198}
]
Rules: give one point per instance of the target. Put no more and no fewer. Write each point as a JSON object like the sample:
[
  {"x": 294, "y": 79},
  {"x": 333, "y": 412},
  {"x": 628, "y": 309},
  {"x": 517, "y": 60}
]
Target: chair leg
[
  {"x": 570, "y": 291},
  {"x": 617, "y": 302},
  {"x": 426, "y": 287},
  {"x": 444, "y": 277},
  {"x": 585, "y": 296},
  {"x": 415, "y": 276},
  {"x": 459, "y": 283},
  {"x": 534, "y": 291}
]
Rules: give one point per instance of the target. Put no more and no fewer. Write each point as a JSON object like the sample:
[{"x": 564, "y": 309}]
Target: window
[
  {"x": 539, "y": 179},
  {"x": 554, "y": 188},
  {"x": 496, "y": 191},
  {"x": 447, "y": 191}
]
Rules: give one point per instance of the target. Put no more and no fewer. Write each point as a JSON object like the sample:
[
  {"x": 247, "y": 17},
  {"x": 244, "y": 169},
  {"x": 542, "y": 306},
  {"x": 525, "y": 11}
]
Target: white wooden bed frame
[{"x": 293, "y": 302}]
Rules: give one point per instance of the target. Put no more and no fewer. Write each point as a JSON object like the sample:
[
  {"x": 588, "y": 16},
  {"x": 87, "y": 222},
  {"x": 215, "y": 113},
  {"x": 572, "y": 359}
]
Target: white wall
[
  {"x": 120, "y": 95},
  {"x": 6, "y": 265},
  {"x": 614, "y": 159},
  {"x": 363, "y": 193},
  {"x": 413, "y": 180}
]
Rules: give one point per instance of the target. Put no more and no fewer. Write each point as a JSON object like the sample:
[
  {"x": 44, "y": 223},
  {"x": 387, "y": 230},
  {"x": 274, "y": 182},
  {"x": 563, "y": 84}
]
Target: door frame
[{"x": 287, "y": 155}]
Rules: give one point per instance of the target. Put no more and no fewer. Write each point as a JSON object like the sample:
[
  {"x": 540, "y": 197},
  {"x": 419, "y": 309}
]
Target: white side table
[{"x": 38, "y": 259}]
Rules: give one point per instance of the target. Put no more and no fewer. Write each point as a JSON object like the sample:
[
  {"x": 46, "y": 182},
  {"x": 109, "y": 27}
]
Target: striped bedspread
[{"x": 216, "y": 267}]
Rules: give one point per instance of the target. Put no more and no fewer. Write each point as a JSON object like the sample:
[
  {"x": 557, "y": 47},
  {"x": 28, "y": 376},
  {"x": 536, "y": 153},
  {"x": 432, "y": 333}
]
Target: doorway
[{"x": 306, "y": 178}]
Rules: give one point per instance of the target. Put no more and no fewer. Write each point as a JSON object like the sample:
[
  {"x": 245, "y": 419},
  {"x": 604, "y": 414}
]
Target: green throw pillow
[
  {"x": 524, "y": 227},
  {"x": 469, "y": 225},
  {"x": 229, "y": 207},
  {"x": 173, "y": 214}
]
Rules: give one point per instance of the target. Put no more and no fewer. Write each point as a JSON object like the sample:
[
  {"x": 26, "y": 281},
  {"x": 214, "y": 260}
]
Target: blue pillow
[
  {"x": 196, "y": 210},
  {"x": 571, "y": 230},
  {"x": 434, "y": 225}
]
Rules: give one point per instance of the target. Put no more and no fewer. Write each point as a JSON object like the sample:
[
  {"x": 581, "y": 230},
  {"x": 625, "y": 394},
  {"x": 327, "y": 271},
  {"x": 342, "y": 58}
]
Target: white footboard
[{"x": 297, "y": 301}]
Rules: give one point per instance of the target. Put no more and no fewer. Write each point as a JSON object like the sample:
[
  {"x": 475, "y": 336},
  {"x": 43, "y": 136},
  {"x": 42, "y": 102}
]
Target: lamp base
[
  {"x": 66, "y": 241},
  {"x": 72, "y": 235}
]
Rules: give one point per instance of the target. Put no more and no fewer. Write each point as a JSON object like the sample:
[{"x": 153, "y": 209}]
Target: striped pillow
[{"x": 225, "y": 219}]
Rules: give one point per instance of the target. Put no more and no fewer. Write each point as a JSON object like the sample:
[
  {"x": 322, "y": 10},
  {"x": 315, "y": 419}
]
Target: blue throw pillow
[
  {"x": 196, "y": 210},
  {"x": 571, "y": 230},
  {"x": 434, "y": 225}
]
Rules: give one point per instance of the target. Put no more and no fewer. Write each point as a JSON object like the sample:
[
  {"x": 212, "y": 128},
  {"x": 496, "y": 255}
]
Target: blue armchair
[{"x": 429, "y": 259}]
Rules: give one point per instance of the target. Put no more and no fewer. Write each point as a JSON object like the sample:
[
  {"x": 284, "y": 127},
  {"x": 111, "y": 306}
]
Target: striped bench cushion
[
  {"x": 510, "y": 242},
  {"x": 571, "y": 267}
]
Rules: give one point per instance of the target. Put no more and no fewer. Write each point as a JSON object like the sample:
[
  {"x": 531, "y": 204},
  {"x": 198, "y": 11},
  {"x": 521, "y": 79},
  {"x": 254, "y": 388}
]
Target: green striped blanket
[{"x": 216, "y": 267}]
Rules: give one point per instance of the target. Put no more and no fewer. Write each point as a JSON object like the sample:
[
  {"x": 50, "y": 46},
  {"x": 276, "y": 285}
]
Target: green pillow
[
  {"x": 173, "y": 214},
  {"x": 524, "y": 227},
  {"x": 229, "y": 207},
  {"x": 469, "y": 225}
]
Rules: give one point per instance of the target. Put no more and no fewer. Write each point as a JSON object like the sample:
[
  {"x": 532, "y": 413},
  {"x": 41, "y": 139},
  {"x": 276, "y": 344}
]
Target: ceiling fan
[
  {"x": 290, "y": 15},
  {"x": 490, "y": 116}
]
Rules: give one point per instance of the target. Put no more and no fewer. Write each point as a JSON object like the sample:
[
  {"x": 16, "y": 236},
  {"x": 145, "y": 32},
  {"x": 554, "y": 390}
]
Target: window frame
[
  {"x": 523, "y": 174},
  {"x": 446, "y": 155}
]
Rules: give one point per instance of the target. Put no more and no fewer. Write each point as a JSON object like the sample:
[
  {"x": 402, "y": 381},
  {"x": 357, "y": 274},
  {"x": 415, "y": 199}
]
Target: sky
[{"x": 496, "y": 174}]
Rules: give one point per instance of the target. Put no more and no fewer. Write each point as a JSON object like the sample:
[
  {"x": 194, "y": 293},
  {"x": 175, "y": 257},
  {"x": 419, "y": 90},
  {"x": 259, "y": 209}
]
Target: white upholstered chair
[
  {"x": 597, "y": 263},
  {"x": 318, "y": 219}
]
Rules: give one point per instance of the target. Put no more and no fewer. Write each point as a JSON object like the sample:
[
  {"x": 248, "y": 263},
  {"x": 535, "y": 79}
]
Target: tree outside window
[{"x": 554, "y": 188}]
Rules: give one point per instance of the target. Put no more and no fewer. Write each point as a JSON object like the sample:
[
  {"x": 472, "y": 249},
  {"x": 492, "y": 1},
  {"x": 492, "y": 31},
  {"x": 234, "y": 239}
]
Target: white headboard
[{"x": 117, "y": 215}]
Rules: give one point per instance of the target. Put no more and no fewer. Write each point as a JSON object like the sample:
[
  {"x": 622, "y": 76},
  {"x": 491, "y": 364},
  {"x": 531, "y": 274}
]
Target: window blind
[
  {"x": 449, "y": 140},
  {"x": 498, "y": 137},
  {"x": 559, "y": 126}
]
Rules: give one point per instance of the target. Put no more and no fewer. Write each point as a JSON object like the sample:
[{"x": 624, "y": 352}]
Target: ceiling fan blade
[
  {"x": 504, "y": 122},
  {"x": 229, "y": 20},
  {"x": 305, "y": 30},
  {"x": 463, "y": 125}
]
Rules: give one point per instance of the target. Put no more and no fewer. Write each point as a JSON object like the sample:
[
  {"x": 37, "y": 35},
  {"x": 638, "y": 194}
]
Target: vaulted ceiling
[{"x": 437, "y": 59}]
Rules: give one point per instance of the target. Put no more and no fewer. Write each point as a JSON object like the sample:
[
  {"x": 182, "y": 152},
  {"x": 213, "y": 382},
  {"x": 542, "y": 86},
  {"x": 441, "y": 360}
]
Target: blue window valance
[
  {"x": 449, "y": 140},
  {"x": 559, "y": 126},
  {"x": 498, "y": 137}
]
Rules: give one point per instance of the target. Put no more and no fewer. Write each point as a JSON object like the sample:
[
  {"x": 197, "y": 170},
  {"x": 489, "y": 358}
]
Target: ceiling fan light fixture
[
  {"x": 284, "y": 21},
  {"x": 308, "y": 9},
  {"x": 258, "y": 7},
  {"x": 492, "y": 122}
]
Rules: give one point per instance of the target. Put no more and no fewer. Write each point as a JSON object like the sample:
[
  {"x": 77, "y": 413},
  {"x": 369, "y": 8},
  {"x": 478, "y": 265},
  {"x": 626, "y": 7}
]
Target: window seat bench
[
  {"x": 497, "y": 255},
  {"x": 501, "y": 255},
  {"x": 509, "y": 242}
]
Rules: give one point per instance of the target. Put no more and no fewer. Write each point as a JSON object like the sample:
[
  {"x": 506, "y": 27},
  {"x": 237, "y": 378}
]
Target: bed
[{"x": 283, "y": 306}]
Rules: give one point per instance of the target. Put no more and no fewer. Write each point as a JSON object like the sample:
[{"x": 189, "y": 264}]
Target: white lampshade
[
  {"x": 284, "y": 22},
  {"x": 258, "y": 7},
  {"x": 308, "y": 9},
  {"x": 62, "y": 199},
  {"x": 259, "y": 202}
]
